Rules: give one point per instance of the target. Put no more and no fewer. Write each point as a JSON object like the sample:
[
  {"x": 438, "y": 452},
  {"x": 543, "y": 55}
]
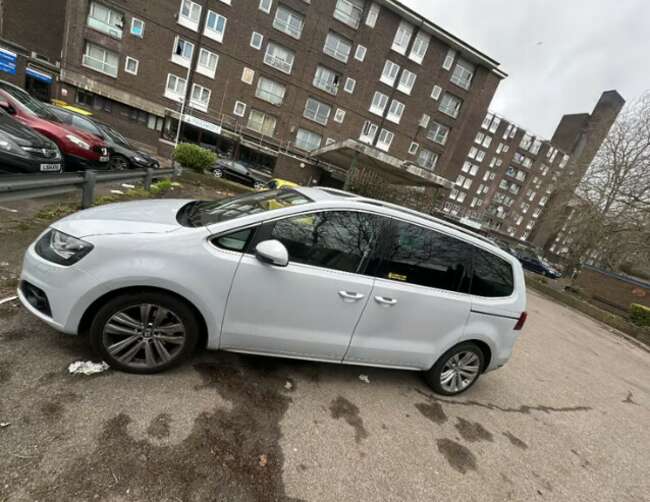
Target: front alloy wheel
[
  {"x": 457, "y": 370},
  {"x": 217, "y": 173},
  {"x": 145, "y": 333}
]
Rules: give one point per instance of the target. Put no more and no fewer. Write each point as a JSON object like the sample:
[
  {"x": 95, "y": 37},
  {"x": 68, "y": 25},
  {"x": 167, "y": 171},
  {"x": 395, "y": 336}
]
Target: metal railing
[{"x": 45, "y": 185}]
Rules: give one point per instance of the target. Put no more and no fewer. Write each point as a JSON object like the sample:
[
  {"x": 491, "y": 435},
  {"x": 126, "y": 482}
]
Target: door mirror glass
[
  {"x": 272, "y": 252},
  {"x": 7, "y": 107}
]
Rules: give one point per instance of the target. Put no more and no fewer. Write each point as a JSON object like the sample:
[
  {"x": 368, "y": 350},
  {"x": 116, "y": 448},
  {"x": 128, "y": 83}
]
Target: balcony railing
[
  {"x": 99, "y": 65},
  {"x": 279, "y": 63}
]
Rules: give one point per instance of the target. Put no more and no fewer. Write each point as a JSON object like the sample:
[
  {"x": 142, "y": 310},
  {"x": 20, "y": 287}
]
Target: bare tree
[{"x": 610, "y": 218}]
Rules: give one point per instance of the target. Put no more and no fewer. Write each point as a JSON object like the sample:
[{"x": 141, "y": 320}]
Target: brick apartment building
[
  {"x": 509, "y": 176},
  {"x": 271, "y": 81}
]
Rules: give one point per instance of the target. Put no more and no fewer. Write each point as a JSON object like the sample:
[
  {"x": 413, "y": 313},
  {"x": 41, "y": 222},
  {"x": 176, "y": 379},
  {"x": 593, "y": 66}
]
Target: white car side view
[{"x": 307, "y": 273}]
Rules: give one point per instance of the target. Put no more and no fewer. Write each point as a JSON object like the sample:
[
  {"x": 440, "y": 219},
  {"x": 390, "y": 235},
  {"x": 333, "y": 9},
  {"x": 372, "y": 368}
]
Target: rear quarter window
[{"x": 492, "y": 276}]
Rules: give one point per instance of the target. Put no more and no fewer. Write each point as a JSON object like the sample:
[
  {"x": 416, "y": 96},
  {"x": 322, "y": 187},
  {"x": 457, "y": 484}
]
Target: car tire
[
  {"x": 217, "y": 173},
  {"x": 450, "y": 364},
  {"x": 119, "y": 163},
  {"x": 258, "y": 185},
  {"x": 167, "y": 321}
]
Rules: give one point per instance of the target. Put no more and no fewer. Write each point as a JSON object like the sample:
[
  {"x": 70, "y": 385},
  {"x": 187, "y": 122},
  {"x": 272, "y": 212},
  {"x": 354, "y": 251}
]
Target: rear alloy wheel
[
  {"x": 217, "y": 173},
  {"x": 457, "y": 370},
  {"x": 144, "y": 333},
  {"x": 119, "y": 163},
  {"x": 258, "y": 185}
]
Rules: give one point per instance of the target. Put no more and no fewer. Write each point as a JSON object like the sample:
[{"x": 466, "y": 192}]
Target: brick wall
[{"x": 612, "y": 290}]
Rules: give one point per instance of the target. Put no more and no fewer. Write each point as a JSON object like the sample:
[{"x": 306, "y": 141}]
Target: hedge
[
  {"x": 640, "y": 315},
  {"x": 194, "y": 157}
]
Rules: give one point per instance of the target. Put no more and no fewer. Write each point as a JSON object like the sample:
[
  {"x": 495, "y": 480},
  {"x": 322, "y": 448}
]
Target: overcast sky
[{"x": 559, "y": 54}]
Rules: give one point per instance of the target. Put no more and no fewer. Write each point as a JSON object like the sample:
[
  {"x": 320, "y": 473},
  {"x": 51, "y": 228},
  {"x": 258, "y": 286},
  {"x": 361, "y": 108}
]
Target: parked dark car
[
  {"x": 535, "y": 263},
  {"x": 23, "y": 150},
  {"x": 79, "y": 149},
  {"x": 237, "y": 171},
  {"x": 123, "y": 154}
]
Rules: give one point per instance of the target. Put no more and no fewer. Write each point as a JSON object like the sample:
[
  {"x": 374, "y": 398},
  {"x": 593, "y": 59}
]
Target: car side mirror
[
  {"x": 6, "y": 106},
  {"x": 272, "y": 252}
]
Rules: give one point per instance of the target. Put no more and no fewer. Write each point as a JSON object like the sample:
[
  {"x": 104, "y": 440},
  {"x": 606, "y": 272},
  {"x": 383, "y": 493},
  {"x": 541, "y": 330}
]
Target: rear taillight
[{"x": 521, "y": 321}]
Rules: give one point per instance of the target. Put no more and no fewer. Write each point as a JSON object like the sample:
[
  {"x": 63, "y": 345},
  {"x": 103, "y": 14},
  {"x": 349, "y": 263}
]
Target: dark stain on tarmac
[
  {"x": 459, "y": 457},
  {"x": 433, "y": 411},
  {"x": 342, "y": 408},
  {"x": 472, "y": 431},
  {"x": 515, "y": 440},
  {"x": 159, "y": 426},
  {"x": 629, "y": 400},
  {"x": 5, "y": 372}
]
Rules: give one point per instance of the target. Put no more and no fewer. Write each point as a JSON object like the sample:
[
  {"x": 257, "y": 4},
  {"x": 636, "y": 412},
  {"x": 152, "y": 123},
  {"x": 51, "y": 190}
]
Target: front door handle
[
  {"x": 350, "y": 296},
  {"x": 382, "y": 300}
]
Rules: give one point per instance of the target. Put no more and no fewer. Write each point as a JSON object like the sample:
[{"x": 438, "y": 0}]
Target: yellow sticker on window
[{"x": 396, "y": 277}]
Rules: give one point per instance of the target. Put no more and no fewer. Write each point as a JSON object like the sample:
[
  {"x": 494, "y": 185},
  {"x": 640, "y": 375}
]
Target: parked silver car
[{"x": 308, "y": 273}]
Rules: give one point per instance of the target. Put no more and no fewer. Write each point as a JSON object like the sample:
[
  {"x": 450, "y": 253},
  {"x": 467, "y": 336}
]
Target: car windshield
[
  {"x": 202, "y": 213},
  {"x": 114, "y": 135},
  {"x": 30, "y": 104}
]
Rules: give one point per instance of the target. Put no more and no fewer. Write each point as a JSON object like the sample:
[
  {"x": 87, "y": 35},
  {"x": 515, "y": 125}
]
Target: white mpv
[{"x": 308, "y": 273}]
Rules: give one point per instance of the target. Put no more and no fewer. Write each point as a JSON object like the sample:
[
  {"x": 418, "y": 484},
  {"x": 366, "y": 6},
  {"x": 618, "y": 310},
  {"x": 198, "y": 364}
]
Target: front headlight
[
  {"x": 7, "y": 145},
  {"x": 139, "y": 159},
  {"x": 61, "y": 248},
  {"x": 78, "y": 141}
]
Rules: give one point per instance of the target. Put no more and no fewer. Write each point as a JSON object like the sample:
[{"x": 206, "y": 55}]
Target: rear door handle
[
  {"x": 382, "y": 300},
  {"x": 350, "y": 296}
]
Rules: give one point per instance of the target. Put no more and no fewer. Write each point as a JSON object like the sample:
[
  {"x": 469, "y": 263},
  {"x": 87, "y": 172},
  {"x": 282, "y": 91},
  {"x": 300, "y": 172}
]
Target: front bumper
[
  {"x": 13, "y": 164},
  {"x": 75, "y": 163}
]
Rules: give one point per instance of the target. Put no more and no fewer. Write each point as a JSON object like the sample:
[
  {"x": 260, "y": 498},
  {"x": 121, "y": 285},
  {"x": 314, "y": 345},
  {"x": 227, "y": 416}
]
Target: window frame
[
  {"x": 212, "y": 33},
  {"x": 286, "y": 26}
]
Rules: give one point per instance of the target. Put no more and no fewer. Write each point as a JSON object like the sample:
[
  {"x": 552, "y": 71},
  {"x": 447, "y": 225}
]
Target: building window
[
  {"x": 240, "y": 108},
  {"x": 395, "y": 111},
  {"x": 420, "y": 46},
  {"x": 279, "y": 57},
  {"x": 256, "y": 40},
  {"x": 424, "y": 120},
  {"x": 307, "y": 140},
  {"x": 99, "y": 59},
  {"x": 189, "y": 15},
  {"x": 427, "y": 159},
  {"x": 288, "y": 21},
  {"x": 449, "y": 60},
  {"x": 270, "y": 91},
  {"x": 378, "y": 104},
  {"x": 261, "y": 122},
  {"x": 131, "y": 65},
  {"x": 463, "y": 74},
  {"x": 215, "y": 26},
  {"x": 438, "y": 133},
  {"x": 373, "y": 15},
  {"x": 265, "y": 5},
  {"x": 137, "y": 27},
  {"x": 436, "y": 92},
  {"x": 350, "y": 84},
  {"x": 450, "y": 105},
  {"x": 368, "y": 132},
  {"x": 389, "y": 73},
  {"x": 200, "y": 97},
  {"x": 106, "y": 20},
  {"x": 326, "y": 80},
  {"x": 339, "y": 116},
  {"x": 317, "y": 111},
  {"x": 182, "y": 54},
  {"x": 349, "y": 12},
  {"x": 247, "y": 76},
  {"x": 402, "y": 37},
  {"x": 337, "y": 47},
  {"x": 413, "y": 148},
  {"x": 385, "y": 140},
  {"x": 175, "y": 88},
  {"x": 207, "y": 63},
  {"x": 360, "y": 53},
  {"x": 406, "y": 82}
]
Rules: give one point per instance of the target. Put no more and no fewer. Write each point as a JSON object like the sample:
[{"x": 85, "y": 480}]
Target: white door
[
  {"x": 418, "y": 307},
  {"x": 309, "y": 308}
]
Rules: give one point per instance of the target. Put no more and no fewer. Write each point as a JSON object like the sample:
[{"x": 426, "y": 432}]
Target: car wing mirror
[
  {"x": 6, "y": 106},
  {"x": 272, "y": 252}
]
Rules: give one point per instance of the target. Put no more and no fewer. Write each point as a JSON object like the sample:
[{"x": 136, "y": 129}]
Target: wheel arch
[
  {"x": 93, "y": 308},
  {"x": 485, "y": 349}
]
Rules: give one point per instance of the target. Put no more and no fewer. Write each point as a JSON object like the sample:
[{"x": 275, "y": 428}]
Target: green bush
[
  {"x": 640, "y": 315},
  {"x": 194, "y": 157}
]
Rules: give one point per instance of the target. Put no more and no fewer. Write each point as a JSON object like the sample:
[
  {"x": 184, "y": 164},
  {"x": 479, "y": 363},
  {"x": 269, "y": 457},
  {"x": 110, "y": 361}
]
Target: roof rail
[{"x": 336, "y": 191}]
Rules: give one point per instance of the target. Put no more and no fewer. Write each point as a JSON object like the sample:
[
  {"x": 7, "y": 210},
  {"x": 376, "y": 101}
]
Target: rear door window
[
  {"x": 421, "y": 256},
  {"x": 492, "y": 276},
  {"x": 337, "y": 240}
]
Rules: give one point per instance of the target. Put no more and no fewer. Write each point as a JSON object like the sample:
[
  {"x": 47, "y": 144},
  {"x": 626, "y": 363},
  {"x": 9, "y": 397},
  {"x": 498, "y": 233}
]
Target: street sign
[{"x": 8, "y": 61}]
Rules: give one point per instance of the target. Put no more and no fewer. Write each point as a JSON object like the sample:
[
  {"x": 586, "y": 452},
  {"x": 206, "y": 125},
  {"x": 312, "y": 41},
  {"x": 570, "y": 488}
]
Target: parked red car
[{"x": 80, "y": 150}]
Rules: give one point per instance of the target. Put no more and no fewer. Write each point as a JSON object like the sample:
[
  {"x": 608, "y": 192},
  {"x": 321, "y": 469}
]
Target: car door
[
  {"x": 309, "y": 308},
  {"x": 419, "y": 303}
]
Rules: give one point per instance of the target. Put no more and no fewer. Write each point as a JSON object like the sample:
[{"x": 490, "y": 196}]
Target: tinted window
[
  {"x": 339, "y": 240},
  {"x": 417, "y": 255},
  {"x": 85, "y": 125},
  {"x": 235, "y": 241},
  {"x": 492, "y": 275}
]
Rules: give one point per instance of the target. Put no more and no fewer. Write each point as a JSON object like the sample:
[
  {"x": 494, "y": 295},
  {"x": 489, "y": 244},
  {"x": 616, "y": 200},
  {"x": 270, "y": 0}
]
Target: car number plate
[
  {"x": 104, "y": 158},
  {"x": 50, "y": 167}
]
